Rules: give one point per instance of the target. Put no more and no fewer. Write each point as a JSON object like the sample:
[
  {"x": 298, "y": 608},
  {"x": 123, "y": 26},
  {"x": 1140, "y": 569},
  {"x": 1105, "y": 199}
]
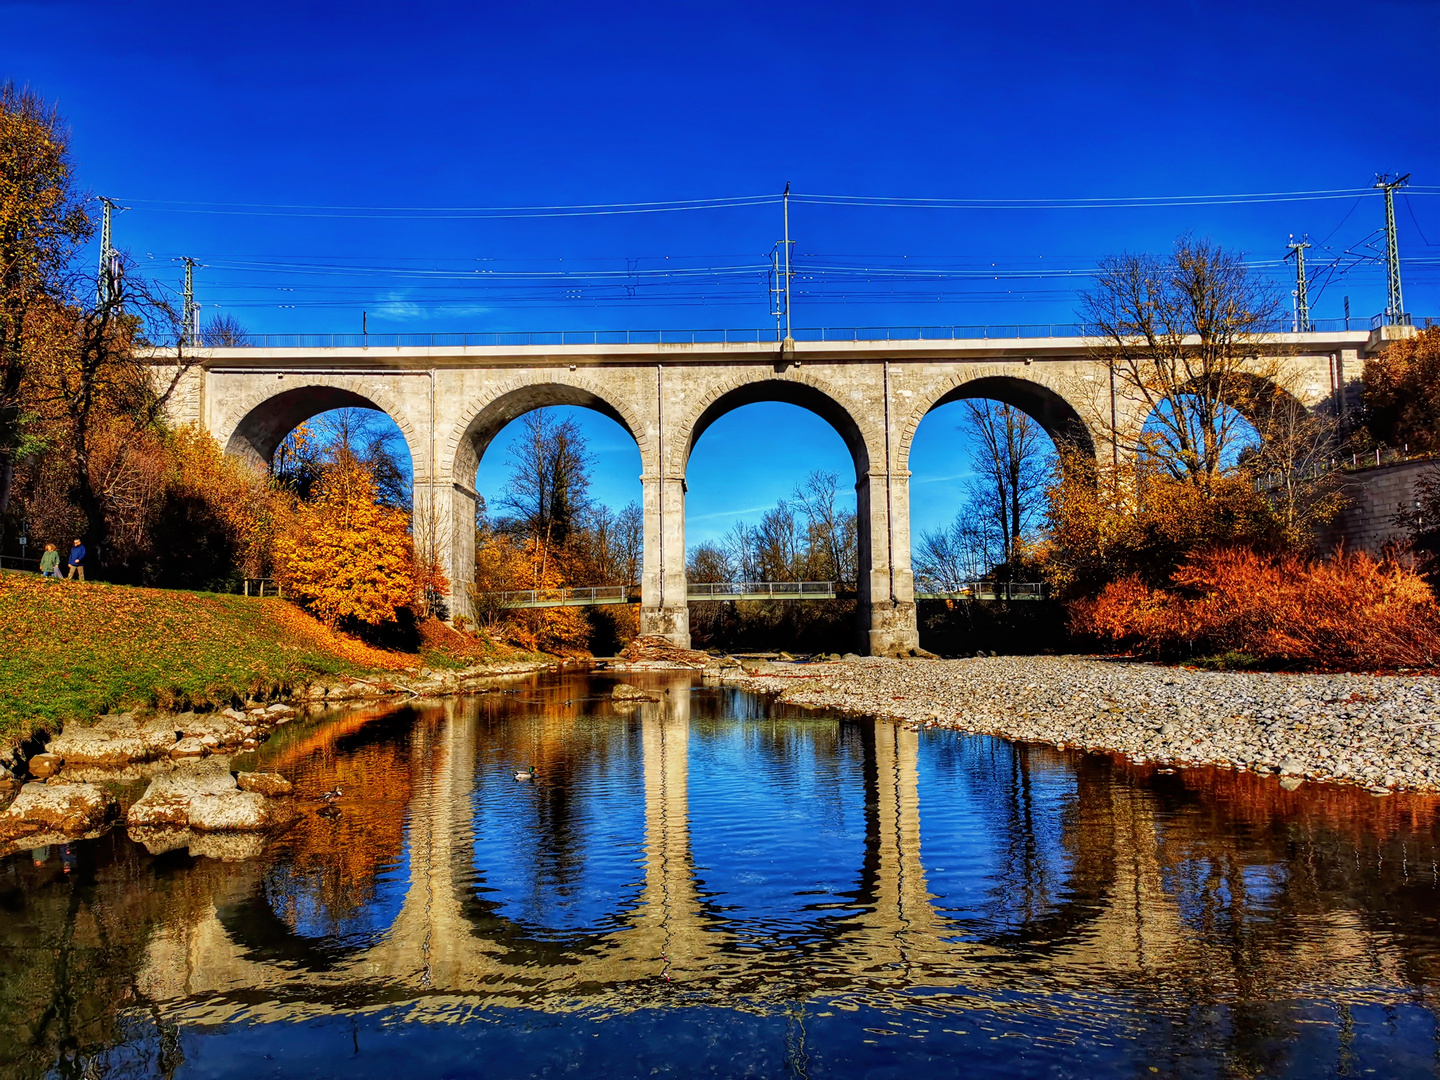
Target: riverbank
[
  {"x": 1380, "y": 732},
  {"x": 72, "y": 652}
]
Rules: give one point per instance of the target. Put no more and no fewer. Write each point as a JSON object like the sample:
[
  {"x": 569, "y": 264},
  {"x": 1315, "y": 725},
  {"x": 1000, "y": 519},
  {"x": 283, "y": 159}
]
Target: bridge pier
[
  {"x": 664, "y": 605},
  {"x": 885, "y": 584}
]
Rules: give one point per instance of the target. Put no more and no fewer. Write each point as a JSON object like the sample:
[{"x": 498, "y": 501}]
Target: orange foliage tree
[
  {"x": 1402, "y": 393},
  {"x": 344, "y": 556},
  {"x": 1344, "y": 613},
  {"x": 1143, "y": 523},
  {"x": 504, "y": 564}
]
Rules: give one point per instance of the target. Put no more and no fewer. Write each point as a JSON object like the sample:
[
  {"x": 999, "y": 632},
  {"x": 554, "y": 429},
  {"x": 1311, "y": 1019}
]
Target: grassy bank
[{"x": 71, "y": 651}]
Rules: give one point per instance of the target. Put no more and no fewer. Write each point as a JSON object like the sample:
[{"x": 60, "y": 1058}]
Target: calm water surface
[{"x": 719, "y": 886}]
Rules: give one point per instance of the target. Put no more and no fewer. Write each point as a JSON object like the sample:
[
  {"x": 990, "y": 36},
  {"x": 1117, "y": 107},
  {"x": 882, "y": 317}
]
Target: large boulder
[
  {"x": 50, "y": 813},
  {"x": 263, "y": 783},
  {"x": 205, "y": 797},
  {"x": 115, "y": 740}
]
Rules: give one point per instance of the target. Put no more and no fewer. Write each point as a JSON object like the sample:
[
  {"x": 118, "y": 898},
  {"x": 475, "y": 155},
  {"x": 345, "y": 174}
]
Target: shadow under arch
[
  {"x": 1046, "y": 406},
  {"x": 474, "y": 434},
  {"x": 266, "y": 423},
  {"x": 788, "y": 392},
  {"x": 1255, "y": 397}
]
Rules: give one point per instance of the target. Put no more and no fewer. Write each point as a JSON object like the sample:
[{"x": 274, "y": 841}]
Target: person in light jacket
[{"x": 50, "y": 563}]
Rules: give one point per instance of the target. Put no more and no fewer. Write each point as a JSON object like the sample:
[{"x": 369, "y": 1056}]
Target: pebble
[{"x": 1307, "y": 727}]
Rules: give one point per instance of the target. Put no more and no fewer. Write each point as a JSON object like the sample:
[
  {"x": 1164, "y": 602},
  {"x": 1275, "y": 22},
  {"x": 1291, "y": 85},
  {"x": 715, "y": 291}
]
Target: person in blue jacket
[{"x": 77, "y": 560}]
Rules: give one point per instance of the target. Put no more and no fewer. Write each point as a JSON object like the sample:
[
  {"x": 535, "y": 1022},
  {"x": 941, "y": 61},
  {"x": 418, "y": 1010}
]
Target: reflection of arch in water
[{"x": 439, "y": 942}]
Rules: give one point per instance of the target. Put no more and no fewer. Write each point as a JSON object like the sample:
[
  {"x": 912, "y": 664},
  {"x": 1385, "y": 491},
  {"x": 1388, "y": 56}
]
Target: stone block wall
[{"x": 1373, "y": 499}]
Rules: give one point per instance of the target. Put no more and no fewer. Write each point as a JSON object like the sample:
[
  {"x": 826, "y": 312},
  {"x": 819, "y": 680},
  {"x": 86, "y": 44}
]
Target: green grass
[
  {"x": 1228, "y": 661},
  {"x": 70, "y": 651}
]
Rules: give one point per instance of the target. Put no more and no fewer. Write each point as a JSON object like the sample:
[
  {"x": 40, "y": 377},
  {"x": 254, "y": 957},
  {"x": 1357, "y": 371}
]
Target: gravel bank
[{"x": 1379, "y": 732}]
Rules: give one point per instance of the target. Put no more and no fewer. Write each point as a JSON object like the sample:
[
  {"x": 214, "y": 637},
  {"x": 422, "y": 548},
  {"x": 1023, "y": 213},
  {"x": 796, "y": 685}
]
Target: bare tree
[
  {"x": 947, "y": 558},
  {"x": 709, "y": 562},
  {"x": 1294, "y": 464},
  {"x": 224, "y": 331},
  {"x": 549, "y": 481},
  {"x": 830, "y": 531},
  {"x": 1013, "y": 469},
  {"x": 1184, "y": 338},
  {"x": 629, "y": 542}
]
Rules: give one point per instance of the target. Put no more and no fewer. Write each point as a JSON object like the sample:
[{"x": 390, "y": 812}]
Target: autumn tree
[
  {"x": 99, "y": 373},
  {"x": 1143, "y": 522},
  {"x": 1184, "y": 338},
  {"x": 43, "y": 223},
  {"x": 367, "y": 435},
  {"x": 345, "y": 556},
  {"x": 1401, "y": 393}
]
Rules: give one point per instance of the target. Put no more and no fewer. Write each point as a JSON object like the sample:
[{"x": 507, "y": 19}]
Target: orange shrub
[{"x": 1348, "y": 612}]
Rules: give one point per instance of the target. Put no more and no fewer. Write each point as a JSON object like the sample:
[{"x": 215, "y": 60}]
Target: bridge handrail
[
  {"x": 533, "y": 596},
  {"x": 723, "y": 589},
  {"x": 762, "y": 336},
  {"x": 985, "y": 590}
]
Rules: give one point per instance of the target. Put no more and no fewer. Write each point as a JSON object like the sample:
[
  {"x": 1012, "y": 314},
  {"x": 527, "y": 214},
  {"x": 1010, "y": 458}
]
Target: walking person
[
  {"x": 77, "y": 560},
  {"x": 50, "y": 563}
]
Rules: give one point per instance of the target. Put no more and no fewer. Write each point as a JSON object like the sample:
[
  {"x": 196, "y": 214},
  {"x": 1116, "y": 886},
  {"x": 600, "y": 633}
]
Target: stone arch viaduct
[{"x": 451, "y": 401}]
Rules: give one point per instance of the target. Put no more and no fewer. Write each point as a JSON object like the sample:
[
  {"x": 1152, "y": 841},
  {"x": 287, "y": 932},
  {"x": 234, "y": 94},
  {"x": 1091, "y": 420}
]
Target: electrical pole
[
  {"x": 192, "y": 309},
  {"x": 1302, "y": 301},
  {"x": 107, "y": 281},
  {"x": 1395, "y": 303},
  {"x": 787, "y": 262},
  {"x": 777, "y": 291}
]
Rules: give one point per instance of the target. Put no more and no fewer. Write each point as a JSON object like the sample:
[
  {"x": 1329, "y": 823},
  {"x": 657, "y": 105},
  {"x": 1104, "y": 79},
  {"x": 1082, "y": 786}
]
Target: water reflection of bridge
[{"x": 1117, "y": 926}]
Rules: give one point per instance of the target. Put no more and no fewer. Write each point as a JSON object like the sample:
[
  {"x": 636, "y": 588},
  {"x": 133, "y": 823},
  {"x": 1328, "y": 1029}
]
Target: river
[{"x": 718, "y": 885}]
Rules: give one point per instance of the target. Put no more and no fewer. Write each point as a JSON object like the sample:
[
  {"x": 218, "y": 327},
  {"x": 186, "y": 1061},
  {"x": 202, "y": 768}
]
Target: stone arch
[
  {"x": 509, "y": 400},
  {"x": 793, "y": 388},
  {"x": 1038, "y": 395},
  {"x": 258, "y": 421}
]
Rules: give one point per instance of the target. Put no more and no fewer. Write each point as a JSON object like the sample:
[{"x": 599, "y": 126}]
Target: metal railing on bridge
[
  {"x": 986, "y": 590},
  {"x": 581, "y": 597},
  {"x": 763, "y": 336},
  {"x": 707, "y": 591},
  {"x": 697, "y": 592},
  {"x": 767, "y": 590}
]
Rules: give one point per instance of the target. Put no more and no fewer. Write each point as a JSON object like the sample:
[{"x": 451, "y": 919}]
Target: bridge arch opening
[
  {"x": 268, "y": 423},
  {"x": 549, "y": 497},
  {"x": 981, "y": 456},
  {"x": 1238, "y": 420},
  {"x": 773, "y": 471}
]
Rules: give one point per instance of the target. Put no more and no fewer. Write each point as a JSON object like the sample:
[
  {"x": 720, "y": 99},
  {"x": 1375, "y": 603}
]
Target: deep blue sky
[{"x": 175, "y": 106}]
